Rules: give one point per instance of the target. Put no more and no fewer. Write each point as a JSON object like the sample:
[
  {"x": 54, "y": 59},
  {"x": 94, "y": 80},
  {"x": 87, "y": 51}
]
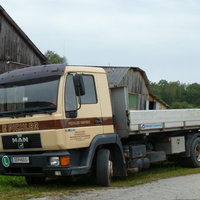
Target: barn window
[
  {"x": 152, "y": 105},
  {"x": 133, "y": 101}
]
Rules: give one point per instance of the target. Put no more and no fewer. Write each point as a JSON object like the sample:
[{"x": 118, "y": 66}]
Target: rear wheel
[
  {"x": 195, "y": 153},
  {"x": 104, "y": 168},
  {"x": 34, "y": 180}
]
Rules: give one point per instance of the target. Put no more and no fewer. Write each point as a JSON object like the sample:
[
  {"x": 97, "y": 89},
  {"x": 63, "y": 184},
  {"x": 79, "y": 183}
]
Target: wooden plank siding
[
  {"x": 15, "y": 46},
  {"x": 136, "y": 84}
]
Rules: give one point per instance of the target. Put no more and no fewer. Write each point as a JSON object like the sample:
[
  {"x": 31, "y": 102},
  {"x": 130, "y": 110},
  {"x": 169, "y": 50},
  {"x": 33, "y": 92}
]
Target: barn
[
  {"x": 139, "y": 91},
  {"x": 16, "y": 49}
]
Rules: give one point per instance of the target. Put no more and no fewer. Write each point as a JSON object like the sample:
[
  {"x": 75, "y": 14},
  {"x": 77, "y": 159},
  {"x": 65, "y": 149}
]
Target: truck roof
[
  {"x": 42, "y": 71},
  {"x": 34, "y": 72}
]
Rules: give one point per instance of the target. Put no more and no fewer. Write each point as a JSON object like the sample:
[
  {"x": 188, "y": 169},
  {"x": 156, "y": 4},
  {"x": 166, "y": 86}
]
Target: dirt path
[{"x": 178, "y": 188}]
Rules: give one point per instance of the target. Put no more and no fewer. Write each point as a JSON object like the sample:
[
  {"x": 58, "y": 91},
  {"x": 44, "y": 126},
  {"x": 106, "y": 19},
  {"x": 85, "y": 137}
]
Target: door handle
[
  {"x": 98, "y": 121},
  {"x": 69, "y": 130}
]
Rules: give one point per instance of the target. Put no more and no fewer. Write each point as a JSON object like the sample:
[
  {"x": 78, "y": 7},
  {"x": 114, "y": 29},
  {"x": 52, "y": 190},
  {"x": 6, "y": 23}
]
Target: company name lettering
[{"x": 30, "y": 126}]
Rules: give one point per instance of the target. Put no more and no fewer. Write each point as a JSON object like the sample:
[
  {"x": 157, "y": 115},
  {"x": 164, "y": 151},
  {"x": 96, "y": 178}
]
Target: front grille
[
  {"x": 33, "y": 170},
  {"x": 13, "y": 170},
  {"x": 22, "y": 141}
]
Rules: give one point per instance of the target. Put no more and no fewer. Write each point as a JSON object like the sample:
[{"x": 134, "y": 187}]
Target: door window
[
  {"x": 70, "y": 95},
  {"x": 90, "y": 96}
]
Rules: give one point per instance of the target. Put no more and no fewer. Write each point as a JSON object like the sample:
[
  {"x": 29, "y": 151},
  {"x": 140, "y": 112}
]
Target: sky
[{"x": 162, "y": 37}]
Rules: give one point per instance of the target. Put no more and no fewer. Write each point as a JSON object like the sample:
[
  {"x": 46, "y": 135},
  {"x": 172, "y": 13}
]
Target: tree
[
  {"x": 181, "y": 105},
  {"x": 178, "y": 95},
  {"x": 54, "y": 58},
  {"x": 193, "y": 94}
]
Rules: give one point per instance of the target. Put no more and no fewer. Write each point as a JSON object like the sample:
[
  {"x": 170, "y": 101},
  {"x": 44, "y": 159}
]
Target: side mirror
[{"x": 79, "y": 85}]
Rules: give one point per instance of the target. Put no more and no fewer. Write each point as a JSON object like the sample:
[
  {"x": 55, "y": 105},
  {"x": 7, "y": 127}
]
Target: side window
[
  {"x": 90, "y": 96},
  {"x": 70, "y": 96},
  {"x": 133, "y": 101}
]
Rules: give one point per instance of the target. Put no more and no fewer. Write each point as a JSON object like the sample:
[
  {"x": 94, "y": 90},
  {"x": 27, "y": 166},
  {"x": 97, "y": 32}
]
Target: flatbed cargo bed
[{"x": 148, "y": 121}]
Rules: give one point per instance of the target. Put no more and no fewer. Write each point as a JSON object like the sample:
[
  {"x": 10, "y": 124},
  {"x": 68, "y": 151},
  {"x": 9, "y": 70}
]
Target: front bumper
[{"x": 39, "y": 165}]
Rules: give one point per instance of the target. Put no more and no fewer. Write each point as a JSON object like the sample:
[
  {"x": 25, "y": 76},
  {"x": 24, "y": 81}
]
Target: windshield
[{"x": 29, "y": 97}]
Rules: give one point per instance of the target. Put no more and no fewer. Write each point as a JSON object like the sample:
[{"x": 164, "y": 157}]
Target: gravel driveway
[{"x": 178, "y": 188}]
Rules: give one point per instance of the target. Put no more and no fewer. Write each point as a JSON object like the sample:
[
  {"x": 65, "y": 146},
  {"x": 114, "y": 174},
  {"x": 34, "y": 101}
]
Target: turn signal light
[
  {"x": 64, "y": 160},
  {"x": 125, "y": 155}
]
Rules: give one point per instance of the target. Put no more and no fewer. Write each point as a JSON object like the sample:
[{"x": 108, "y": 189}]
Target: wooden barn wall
[
  {"x": 136, "y": 84},
  {"x": 14, "y": 47},
  {"x": 162, "y": 106},
  {"x": 8, "y": 67}
]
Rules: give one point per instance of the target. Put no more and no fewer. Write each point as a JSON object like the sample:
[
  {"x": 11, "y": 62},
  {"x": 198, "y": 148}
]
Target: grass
[{"x": 12, "y": 188}]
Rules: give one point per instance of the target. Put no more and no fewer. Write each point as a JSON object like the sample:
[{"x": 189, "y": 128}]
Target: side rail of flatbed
[{"x": 151, "y": 121}]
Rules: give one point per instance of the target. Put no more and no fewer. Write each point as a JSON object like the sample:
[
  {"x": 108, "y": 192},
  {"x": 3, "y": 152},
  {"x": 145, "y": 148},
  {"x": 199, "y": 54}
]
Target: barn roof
[
  {"x": 21, "y": 33},
  {"x": 116, "y": 74}
]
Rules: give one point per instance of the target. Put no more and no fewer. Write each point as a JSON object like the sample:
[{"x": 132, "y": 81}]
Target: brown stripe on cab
[{"x": 55, "y": 124}]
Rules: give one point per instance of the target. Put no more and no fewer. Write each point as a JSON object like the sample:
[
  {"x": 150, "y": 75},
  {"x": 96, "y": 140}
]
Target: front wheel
[{"x": 104, "y": 168}]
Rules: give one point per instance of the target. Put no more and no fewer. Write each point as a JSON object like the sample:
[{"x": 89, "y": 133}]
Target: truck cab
[{"x": 54, "y": 120}]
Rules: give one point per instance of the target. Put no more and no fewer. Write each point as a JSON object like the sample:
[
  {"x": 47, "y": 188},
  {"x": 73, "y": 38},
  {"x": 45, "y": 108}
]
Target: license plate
[{"x": 20, "y": 160}]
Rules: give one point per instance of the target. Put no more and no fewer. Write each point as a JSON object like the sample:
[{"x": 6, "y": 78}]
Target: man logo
[{"x": 20, "y": 140}]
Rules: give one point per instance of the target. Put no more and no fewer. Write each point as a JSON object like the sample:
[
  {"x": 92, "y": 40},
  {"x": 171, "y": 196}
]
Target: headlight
[{"x": 54, "y": 161}]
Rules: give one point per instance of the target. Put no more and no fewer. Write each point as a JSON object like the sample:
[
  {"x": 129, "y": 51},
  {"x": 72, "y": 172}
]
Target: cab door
[{"x": 81, "y": 129}]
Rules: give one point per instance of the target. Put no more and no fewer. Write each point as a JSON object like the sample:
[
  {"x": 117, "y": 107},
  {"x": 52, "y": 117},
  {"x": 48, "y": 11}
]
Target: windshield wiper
[
  {"x": 22, "y": 114},
  {"x": 7, "y": 115},
  {"x": 29, "y": 112},
  {"x": 14, "y": 114},
  {"x": 48, "y": 110}
]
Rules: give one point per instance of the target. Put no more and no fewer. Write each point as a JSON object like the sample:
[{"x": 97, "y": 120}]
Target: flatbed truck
[{"x": 58, "y": 120}]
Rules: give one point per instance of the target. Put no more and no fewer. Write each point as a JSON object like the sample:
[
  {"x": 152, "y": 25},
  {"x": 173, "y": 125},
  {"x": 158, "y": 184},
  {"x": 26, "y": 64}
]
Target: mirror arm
[{"x": 77, "y": 108}]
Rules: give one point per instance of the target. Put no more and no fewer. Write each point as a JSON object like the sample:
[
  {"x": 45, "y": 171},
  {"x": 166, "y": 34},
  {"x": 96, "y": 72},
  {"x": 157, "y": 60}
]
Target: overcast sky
[{"x": 162, "y": 37}]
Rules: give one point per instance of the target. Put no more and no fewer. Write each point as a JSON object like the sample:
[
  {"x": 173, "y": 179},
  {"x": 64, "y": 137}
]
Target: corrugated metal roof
[{"x": 115, "y": 74}]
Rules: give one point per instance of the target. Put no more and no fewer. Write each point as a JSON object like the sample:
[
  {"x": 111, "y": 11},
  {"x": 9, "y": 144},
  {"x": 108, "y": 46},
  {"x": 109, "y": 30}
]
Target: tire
[
  {"x": 104, "y": 168},
  {"x": 195, "y": 153},
  {"x": 34, "y": 180}
]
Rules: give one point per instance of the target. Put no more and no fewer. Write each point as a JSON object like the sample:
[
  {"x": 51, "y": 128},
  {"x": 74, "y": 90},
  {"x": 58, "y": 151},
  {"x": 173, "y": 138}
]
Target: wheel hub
[
  {"x": 197, "y": 152},
  {"x": 110, "y": 167}
]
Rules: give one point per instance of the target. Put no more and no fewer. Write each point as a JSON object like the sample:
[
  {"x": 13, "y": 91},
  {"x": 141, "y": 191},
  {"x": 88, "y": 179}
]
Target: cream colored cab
[{"x": 61, "y": 130}]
